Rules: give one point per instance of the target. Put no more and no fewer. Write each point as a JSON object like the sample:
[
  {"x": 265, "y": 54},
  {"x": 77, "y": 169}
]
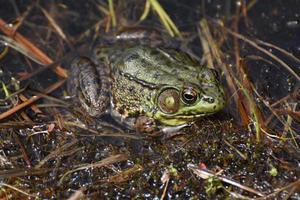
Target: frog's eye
[
  {"x": 189, "y": 96},
  {"x": 168, "y": 101}
]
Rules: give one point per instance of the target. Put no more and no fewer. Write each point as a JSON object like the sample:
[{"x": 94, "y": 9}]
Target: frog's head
[{"x": 192, "y": 98}]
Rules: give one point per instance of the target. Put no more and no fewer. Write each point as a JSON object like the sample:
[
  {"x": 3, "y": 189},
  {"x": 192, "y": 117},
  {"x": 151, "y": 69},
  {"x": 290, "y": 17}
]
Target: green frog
[{"x": 144, "y": 86}]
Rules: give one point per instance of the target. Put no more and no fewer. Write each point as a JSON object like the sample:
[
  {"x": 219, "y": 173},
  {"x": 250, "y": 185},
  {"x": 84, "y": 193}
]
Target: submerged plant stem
[
  {"x": 165, "y": 19},
  {"x": 112, "y": 13},
  {"x": 253, "y": 110}
]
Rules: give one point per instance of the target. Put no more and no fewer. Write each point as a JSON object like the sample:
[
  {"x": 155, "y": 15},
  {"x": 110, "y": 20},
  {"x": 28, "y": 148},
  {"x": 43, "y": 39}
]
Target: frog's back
[{"x": 155, "y": 66}]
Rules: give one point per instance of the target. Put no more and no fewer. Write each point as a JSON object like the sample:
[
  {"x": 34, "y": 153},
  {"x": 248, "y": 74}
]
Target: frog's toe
[{"x": 145, "y": 124}]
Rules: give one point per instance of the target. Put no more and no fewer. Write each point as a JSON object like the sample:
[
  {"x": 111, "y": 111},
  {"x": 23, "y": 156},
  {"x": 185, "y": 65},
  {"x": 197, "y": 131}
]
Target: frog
[{"x": 144, "y": 86}]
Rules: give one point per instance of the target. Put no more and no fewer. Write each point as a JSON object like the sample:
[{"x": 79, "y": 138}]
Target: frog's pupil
[{"x": 189, "y": 96}]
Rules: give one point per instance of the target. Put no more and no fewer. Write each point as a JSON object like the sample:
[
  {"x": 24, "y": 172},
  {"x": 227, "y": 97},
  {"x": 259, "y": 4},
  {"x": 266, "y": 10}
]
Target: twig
[
  {"x": 207, "y": 174},
  {"x": 31, "y": 47},
  {"x": 112, "y": 13},
  {"x": 55, "y": 153},
  {"x": 32, "y": 99},
  {"x": 254, "y": 110},
  {"x": 77, "y": 195},
  {"x": 23, "y": 150},
  {"x": 294, "y": 184},
  {"x": 165, "y": 18},
  {"x": 104, "y": 162},
  {"x": 56, "y": 27},
  {"x": 245, "y": 157},
  {"x": 217, "y": 56},
  {"x": 98, "y": 134},
  {"x": 255, "y": 45},
  {"x": 17, "y": 189},
  {"x": 288, "y": 54}
]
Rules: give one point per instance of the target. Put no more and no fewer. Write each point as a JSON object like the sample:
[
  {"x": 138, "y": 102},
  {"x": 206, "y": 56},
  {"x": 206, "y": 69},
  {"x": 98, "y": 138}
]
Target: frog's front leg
[
  {"x": 144, "y": 124},
  {"x": 90, "y": 85}
]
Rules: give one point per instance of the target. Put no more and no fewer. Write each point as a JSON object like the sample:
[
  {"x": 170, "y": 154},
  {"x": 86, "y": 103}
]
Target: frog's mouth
[
  {"x": 174, "y": 120},
  {"x": 193, "y": 115}
]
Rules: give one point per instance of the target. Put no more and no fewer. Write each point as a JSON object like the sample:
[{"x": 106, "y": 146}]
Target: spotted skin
[{"x": 128, "y": 79}]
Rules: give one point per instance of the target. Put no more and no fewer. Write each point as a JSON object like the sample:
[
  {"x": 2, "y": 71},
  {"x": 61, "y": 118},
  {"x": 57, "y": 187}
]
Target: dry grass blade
[
  {"x": 165, "y": 19},
  {"x": 106, "y": 161},
  {"x": 273, "y": 111},
  {"x": 253, "y": 109},
  {"x": 295, "y": 95},
  {"x": 265, "y": 51},
  {"x": 56, "y": 27},
  {"x": 294, "y": 185},
  {"x": 207, "y": 174},
  {"x": 4, "y": 52},
  {"x": 293, "y": 113},
  {"x": 165, "y": 179},
  {"x": 288, "y": 54},
  {"x": 7, "y": 41},
  {"x": 77, "y": 195},
  {"x": 17, "y": 189},
  {"x": 20, "y": 20},
  {"x": 23, "y": 172},
  {"x": 6, "y": 92},
  {"x": 17, "y": 125},
  {"x": 33, "y": 107},
  {"x": 146, "y": 11},
  {"x": 23, "y": 150},
  {"x": 31, "y": 100},
  {"x": 213, "y": 55},
  {"x": 55, "y": 153},
  {"x": 112, "y": 13},
  {"x": 43, "y": 58},
  {"x": 212, "y": 50},
  {"x": 54, "y": 24},
  {"x": 125, "y": 175},
  {"x": 288, "y": 125},
  {"x": 102, "y": 9},
  {"x": 101, "y": 134},
  {"x": 244, "y": 156}
]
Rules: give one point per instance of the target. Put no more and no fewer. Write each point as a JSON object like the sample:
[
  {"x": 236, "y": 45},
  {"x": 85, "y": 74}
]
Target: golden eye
[
  {"x": 168, "y": 101},
  {"x": 189, "y": 96}
]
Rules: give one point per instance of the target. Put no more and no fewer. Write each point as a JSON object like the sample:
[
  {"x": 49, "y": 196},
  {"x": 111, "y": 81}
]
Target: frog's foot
[
  {"x": 144, "y": 124},
  {"x": 174, "y": 129},
  {"x": 91, "y": 86}
]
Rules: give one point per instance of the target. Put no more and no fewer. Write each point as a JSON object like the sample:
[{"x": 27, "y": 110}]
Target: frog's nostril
[{"x": 208, "y": 99}]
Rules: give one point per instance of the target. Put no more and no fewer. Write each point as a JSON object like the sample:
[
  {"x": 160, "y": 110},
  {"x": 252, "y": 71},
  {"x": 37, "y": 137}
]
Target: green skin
[{"x": 166, "y": 86}]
